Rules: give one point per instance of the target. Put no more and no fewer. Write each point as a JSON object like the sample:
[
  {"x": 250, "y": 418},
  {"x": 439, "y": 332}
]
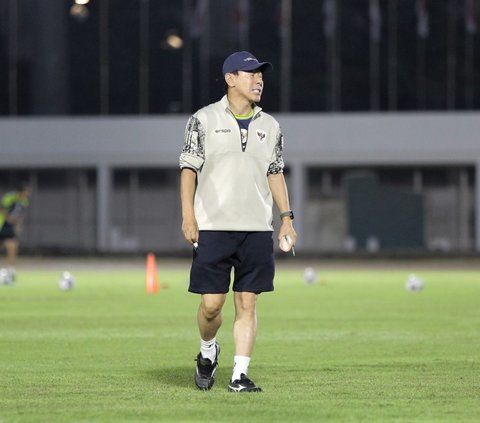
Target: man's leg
[
  {"x": 11, "y": 245},
  {"x": 209, "y": 319},
  {"x": 209, "y": 316},
  {"x": 244, "y": 334},
  {"x": 245, "y": 325}
]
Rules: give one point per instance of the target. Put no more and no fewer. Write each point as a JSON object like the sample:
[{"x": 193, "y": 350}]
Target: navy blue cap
[{"x": 244, "y": 61}]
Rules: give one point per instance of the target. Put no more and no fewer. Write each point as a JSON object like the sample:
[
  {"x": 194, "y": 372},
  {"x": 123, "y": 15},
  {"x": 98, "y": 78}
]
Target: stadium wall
[{"x": 111, "y": 183}]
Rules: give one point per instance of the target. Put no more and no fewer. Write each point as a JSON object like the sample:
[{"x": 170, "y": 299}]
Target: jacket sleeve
[
  {"x": 193, "y": 152},
  {"x": 276, "y": 163}
]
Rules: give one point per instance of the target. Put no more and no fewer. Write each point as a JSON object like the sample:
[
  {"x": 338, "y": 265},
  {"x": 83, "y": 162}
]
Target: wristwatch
[{"x": 288, "y": 213}]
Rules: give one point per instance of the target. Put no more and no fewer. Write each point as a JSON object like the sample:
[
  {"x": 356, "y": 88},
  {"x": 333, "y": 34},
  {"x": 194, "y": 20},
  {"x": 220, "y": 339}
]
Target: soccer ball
[
  {"x": 66, "y": 282},
  {"x": 309, "y": 275},
  {"x": 6, "y": 277},
  {"x": 413, "y": 283}
]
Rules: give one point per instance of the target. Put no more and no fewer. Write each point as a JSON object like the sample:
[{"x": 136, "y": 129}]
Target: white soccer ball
[
  {"x": 414, "y": 283},
  {"x": 372, "y": 244},
  {"x": 66, "y": 282},
  {"x": 309, "y": 275},
  {"x": 5, "y": 277}
]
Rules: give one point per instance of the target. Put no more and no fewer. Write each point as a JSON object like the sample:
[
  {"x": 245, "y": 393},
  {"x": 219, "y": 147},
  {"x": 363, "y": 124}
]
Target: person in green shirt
[{"x": 13, "y": 206}]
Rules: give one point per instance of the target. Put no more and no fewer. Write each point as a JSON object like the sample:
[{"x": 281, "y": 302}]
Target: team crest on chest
[{"x": 261, "y": 135}]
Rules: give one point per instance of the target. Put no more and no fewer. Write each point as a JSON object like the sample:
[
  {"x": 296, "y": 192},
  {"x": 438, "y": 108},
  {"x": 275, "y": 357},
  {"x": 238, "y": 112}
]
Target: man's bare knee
[
  {"x": 245, "y": 303},
  {"x": 211, "y": 306},
  {"x": 211, "y": 311}
]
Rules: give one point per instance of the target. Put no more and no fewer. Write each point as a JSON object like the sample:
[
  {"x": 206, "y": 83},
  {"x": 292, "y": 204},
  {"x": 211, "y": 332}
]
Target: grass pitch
[{"x": 353, "y": 347}]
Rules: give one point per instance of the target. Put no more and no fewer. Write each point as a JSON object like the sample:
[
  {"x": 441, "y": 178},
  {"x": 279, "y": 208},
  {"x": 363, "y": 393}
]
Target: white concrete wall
[{"x": 433, "y": 138}]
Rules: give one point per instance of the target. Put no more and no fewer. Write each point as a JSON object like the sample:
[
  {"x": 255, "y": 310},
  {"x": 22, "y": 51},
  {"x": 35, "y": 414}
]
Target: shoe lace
[{"x": 205, "y": 365}]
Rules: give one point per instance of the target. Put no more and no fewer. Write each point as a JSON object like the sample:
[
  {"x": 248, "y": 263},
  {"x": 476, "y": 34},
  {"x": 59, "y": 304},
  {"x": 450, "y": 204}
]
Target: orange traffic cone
[{"x": 151, "y": 279}]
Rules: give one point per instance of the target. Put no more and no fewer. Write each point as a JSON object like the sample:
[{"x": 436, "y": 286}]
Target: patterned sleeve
[
  {"x": 277, "y": 164},
  {"x": 193, "y": 152}
]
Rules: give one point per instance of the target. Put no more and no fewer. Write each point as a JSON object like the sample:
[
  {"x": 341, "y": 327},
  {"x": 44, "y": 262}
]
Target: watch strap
[{"x": 288, "y": 213}]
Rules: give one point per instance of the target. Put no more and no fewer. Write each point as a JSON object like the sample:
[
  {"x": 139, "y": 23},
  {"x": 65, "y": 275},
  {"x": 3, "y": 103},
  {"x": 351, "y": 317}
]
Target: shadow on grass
[{"x": 173, "y": 376}]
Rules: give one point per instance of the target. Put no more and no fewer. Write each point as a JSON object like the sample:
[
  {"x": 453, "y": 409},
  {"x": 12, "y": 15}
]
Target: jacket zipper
[{"x": 243, "y": 146}]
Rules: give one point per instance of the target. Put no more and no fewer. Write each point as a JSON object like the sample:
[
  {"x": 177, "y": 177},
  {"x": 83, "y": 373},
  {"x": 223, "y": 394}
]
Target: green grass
[{"x": 355, "y": 347}]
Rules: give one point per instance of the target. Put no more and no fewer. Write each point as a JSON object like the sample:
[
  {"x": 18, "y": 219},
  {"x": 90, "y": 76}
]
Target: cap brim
[{"x": 263, "y": 66}]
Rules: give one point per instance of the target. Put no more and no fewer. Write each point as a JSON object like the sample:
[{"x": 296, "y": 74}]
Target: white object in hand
[{"x": 286, "y": 244}]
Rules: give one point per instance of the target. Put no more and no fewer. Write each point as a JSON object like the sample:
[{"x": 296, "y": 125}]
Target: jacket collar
[{"x": 226, "y": 106}]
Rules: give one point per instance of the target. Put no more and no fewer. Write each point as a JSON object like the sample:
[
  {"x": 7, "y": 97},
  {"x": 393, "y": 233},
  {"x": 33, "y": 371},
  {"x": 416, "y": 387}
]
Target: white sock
[
  {"x": 208, "y": 350},
  {"x": 241, "y": 363}
]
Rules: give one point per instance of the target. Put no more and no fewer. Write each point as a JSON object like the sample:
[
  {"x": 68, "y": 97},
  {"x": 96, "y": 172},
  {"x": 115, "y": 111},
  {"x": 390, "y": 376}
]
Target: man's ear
[{"x": 230, "y": 79}]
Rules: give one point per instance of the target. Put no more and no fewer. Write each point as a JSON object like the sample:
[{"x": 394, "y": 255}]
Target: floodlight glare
[
  {"x": 79, "y": 12},
  {"x": 174, "y": 41}
]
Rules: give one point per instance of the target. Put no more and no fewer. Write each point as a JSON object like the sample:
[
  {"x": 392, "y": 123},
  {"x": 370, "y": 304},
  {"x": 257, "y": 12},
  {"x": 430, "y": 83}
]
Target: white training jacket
[{"x": 232, "y": 191}]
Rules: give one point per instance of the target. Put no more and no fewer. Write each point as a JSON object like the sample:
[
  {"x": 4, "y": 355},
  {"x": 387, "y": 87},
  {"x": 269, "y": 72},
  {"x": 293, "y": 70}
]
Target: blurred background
[{"x": 378, "y": 101}]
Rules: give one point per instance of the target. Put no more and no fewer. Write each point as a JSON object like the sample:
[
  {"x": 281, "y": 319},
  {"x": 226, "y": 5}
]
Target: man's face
[
  {"x": 250, "y": 84},
  {"x": 25, "y": 193}
]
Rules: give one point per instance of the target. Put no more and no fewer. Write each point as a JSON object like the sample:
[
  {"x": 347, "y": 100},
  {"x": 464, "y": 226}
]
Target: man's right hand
[{"x": 190, "y": 230}]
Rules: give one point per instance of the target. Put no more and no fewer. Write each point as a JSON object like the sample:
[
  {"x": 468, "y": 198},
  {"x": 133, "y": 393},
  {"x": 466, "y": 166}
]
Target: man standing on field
[
  {"x": 13, "y": 207},
  {"x": 231, "y": 173}
]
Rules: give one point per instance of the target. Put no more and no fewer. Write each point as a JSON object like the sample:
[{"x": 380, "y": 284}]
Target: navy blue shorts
[
  {"x": 7, "y": 232},
  {"x": 250, "y": 254}
]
